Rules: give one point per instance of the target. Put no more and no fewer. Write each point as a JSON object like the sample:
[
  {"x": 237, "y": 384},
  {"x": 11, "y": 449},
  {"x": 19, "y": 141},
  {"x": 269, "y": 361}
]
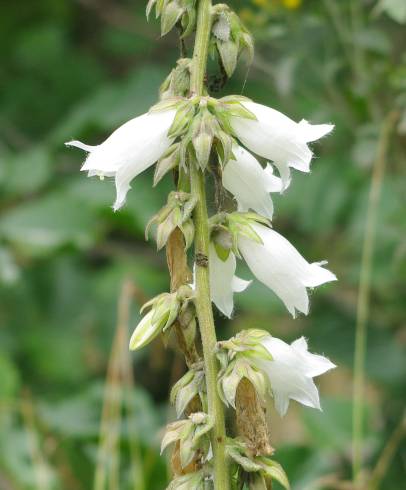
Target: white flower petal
[
  {"x": 249, "y": 183},
  {"x": 278, "y": 265},
  {"x": 131, "y": 149},
  {"x": 315, "y": 363},
  {"x": 277, "y": 137},
  {"x": 313, "y": 132},
  {"x": 272, "y": 182},
  {"x": 82, "y": 146},
  {"x": 239, "y": 285},
  {"x": 285, "y": 174},
  {"x": 289, "y": 373},
  {"x": 223, "y": 282}
]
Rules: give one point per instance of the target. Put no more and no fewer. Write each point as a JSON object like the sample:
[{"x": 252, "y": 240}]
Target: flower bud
[
  {"x": 178, "y": 81},
  {"x": 171, "y": 11},
  {"x": 203, "y": 131},
  {"x": 192, "y": 436},
  {"x": 164, "y": 312},
  {"x": 186, "y": 389},
  {"x": 175, "y": 214},
  {"x": 230, "y": 37}
]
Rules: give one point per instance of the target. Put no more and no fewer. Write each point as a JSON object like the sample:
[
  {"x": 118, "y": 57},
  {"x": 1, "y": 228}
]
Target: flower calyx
[
  {"x": 230, "y": 37},
  {"x": 190, "y": 386},
  {"x": 177, "y": 83},
  {"x": 173, "y": 11},
  {"x": 228, "y": 107},
  {"x": 175, "y": 214},
  {"x": 255, "y": 471},
  {"x": 192, "y": 435},
  {"x": 164, "y": 311},
  {"x": 237, "y": 358},
  {"x": 191, "y": 481},
  {"x": 226, "y": 228}
]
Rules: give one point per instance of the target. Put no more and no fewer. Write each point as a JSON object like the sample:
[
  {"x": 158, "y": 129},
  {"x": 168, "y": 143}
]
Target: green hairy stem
[{"x": 203, "y": 301}]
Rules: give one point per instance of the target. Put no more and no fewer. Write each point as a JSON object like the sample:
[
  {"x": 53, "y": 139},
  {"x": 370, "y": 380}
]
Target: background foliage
[{"x": 78, "y": 69}]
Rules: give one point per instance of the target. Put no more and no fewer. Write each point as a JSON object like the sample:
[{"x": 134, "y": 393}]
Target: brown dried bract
[{"x": 251, "y": 420}]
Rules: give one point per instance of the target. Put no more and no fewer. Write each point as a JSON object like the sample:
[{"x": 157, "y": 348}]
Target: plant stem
[
  {"x": 208, "y": 333},
  {"x": 364, "y": 293},
  {"x": 203, "y": 300}
]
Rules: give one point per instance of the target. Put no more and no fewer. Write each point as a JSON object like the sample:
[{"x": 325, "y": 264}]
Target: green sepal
[
  {"x": 190, "y": 385},
  {"x": 183, "y": 117},
  {"x": 167, "y": 104},
  {"x": 273, "y": 470},
  {"x": 177, "y": 83},
  {"x": 188, "y": 230},
  {"x": 191, "y": 434},
  {"x": 190, "y": 481},
  {"x": 188, "y": 21},
  {"x": 228, "y": 51},
  {"x": 150, "y": 6},
  {"x": 175, "y": 214},
  {"x": 170, "y": 16},
  {"x": 237, "y": 451},
  {"x": 169, "y": 161}
]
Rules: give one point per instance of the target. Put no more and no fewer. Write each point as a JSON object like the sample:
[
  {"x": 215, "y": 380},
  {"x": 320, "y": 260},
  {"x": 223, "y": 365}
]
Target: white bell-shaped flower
[
  {"x": 131, "y": 149},
  {"x": 278, "y": 265},
  {"x": 278, "y": 138},
  {"x": 250, "y": 183},
  {"x": 291, "y": 372},
  {"x": 223, "y": 281}
]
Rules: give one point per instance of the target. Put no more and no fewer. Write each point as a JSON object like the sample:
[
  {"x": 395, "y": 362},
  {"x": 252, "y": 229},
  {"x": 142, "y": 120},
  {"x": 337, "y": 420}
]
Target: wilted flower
[
  {"x": 250, "y": 183},
  {"x": 276, "y": 137},
  {"x": 131, "y": 149},
  {"x": 291, "y": 372}
]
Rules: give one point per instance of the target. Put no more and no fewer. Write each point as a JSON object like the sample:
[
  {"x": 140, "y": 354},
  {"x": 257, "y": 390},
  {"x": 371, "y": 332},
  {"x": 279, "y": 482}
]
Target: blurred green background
[{"x": 78, "y": 69}]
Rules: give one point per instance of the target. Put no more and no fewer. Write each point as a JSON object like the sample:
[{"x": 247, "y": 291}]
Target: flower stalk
[{"x": 202, "y": 242}]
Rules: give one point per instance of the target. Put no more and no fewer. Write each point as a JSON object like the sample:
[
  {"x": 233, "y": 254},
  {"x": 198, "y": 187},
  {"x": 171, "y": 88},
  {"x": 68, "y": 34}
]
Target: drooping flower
[
  {"x": 250, "y": 183},
  {"x": 274, "y": 261},
  {"x": 128, "y": 151},
  {"x": 223, "y": 281},
  {"x": 278, "y": 138},
  {"x": 291, "y": 372},
  {"x": 277, "y": 264}
]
